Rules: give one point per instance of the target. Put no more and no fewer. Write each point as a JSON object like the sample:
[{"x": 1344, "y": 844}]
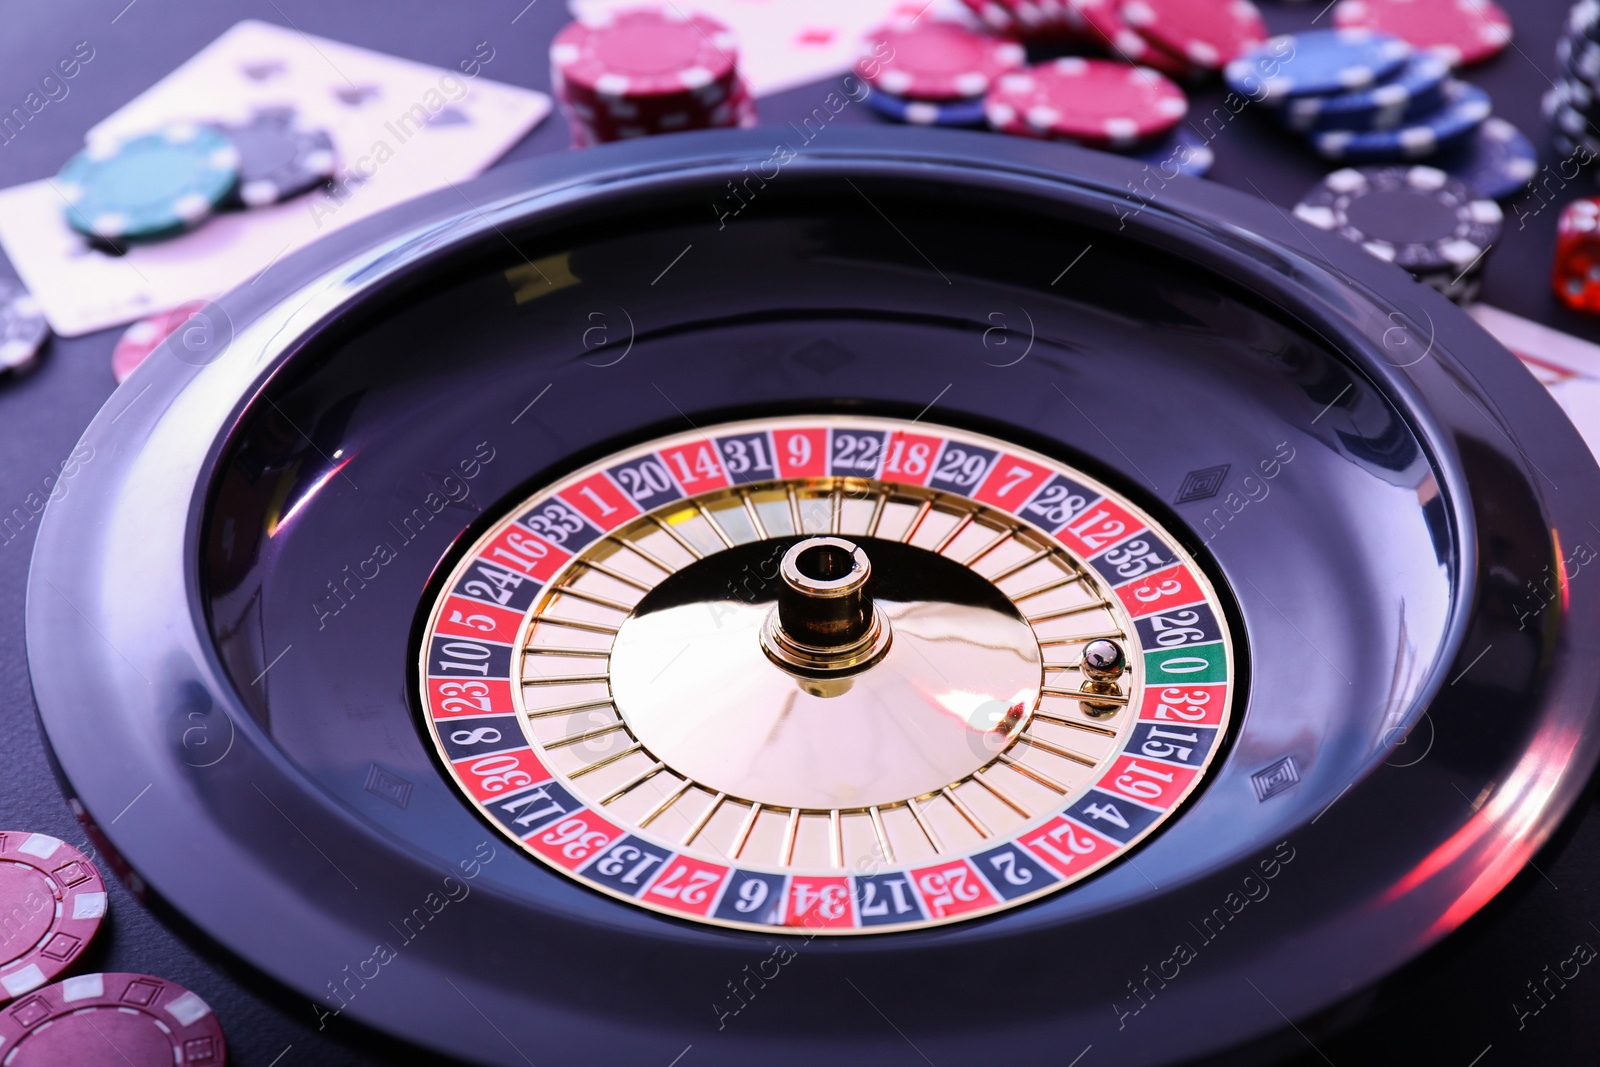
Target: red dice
[{"x": 1577, "y": 270}]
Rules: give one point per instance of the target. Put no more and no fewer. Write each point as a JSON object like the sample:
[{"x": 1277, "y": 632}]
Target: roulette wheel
[{"x": 689, "y": 597}]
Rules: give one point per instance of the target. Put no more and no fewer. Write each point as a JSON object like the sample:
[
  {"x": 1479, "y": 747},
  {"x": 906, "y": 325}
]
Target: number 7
[{"x": 1015, "y": 477}]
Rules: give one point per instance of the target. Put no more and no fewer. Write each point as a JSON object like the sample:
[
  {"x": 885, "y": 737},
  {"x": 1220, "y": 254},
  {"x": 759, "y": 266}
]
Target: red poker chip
[
  {"x": 1208, "y": 33},
  {"x": 591, "y": 123},
  {"x": 661, "y": 115},
  {"x": 744, "y": 108},
  {"x": 602, "y": 127},
  {"x": 995, "y": 15},
  {"x": 1463, "y": 31},
  {"x": 931, "y": 59},
  {"x": 53, "y": 900},
  {"x": 131, "y": 1020},
  {"x": 146, "y": 335},
  {"x": 643, "y": 52},
  {"x": 1110, "y": 31},
  {"x": 1044, "y": 21},
  {"x": 1068, "y": 16},
  {"x": 1094, "y": 101}
]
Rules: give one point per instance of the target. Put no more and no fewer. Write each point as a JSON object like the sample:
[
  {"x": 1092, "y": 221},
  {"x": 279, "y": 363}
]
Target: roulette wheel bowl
[{"x": 225, "y": 658}]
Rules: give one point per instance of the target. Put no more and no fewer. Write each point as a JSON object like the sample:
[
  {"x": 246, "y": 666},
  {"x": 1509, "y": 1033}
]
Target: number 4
[{"x": 1107, "y": 813}]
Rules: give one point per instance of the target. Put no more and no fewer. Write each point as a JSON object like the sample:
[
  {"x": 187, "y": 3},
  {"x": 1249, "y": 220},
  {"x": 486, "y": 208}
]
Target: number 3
[{"x": 1167, "y": 588}]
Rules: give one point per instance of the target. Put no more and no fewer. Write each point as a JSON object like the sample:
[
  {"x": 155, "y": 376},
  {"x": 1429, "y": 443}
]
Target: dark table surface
[{"x": 1455, "y": 1007}]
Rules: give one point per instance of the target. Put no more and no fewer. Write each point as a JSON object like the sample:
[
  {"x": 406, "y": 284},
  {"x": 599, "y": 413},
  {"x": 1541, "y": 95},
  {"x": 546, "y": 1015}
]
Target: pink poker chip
[
  {"x": 146, "y": 335},
  {"x": 1045, "y": 21},
  {"x": 1208, "y": 33},
  {"x": 1110, "y": 31},
  {"x": 54, "y": 900},
  {"x": 124, "y": 1019},
  {"x": 1463, "y": 31},
  {"x": 939, "y": 60},
  {"x": 1093, "y": 101}
]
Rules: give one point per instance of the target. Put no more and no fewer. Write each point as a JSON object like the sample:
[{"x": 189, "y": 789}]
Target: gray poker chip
[
  {"x": 23, "y": 330},
  {"x": 1418, "y": 217},
  {"x": 278, "y": 158}
]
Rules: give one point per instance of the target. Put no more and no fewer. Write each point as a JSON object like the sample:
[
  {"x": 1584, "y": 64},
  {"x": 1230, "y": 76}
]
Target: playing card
[
  {"x": 785, "y": 43},
  {"x": 1568, "y": 366},
  {"x": 400, "y": 129},
  {"x": 1551, "y": 355}
]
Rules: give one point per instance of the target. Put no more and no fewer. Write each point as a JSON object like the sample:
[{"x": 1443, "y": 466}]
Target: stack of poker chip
[
  {"x": 1184, "y": 39},
  {"x": 640, "y": 71},
  {"x": 167, "y": 181},
  {"x": 1360, "y": 95},
  {"x": 1572, "y": 105},
  {"x": 934, "y": 72},
  {"x": 1417, "y": 217},
  {"x": 931, "y": 72}
]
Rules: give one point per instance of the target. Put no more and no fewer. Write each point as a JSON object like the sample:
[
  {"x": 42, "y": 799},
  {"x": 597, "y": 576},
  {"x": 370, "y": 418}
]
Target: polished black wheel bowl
[{"x": 1368, "y": 477}]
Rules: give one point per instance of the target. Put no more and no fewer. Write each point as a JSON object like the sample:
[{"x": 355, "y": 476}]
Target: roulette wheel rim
[{"x": 157, "y": 445}]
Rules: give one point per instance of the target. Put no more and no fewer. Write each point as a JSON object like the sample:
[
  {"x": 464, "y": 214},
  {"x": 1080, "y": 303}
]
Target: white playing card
[
  {"x": 400, "y": 128},
  {"x": 1567, "y": 366},
  {"x": 785, "y": 43},
  {"x": 1551, "y": 355}
]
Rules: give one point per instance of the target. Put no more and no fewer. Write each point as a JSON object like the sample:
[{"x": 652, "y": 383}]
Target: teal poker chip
[
  {"x": 1465, "y": 107},
  {"x": 151, "y": 186}
]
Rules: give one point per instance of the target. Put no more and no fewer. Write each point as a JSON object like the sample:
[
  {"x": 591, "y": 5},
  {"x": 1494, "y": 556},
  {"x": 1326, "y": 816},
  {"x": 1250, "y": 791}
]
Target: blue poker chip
[
  {"x": 1465, "y": 108},
  {"x": 927, "y": 112},
  {"x": 1415, "y": 89},
  {"x": 151, "y": 186},
  {"x": 1497, "y": 161},
  {"x": 1183, "y": 152},
  {"x": 1317, "y": 62}
]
